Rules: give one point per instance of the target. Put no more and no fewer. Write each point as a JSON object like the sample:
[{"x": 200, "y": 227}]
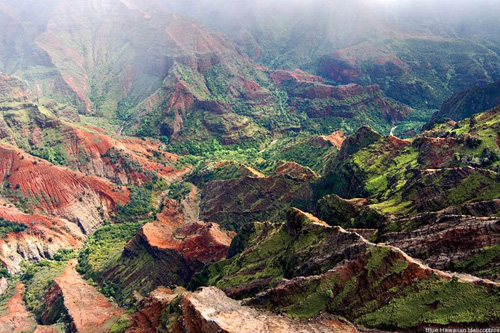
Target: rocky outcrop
[
  {"x": 436, "y": 189},
  {"x": 384, "y": 277},
  {"x": 166, "y": 252},
  {"x": 42, "y": 238},
  {"x": 88, "y": 149},
  {"x": 336, "y": 138},
  {"x": 87, "y": 310},
  {"x": 15, "y": 318},
  {"x": 247, "y": 199},
  {"x": 295, "y": 171},
  {"x": 152, "y": 311},
  {"x": 467, "y": 103},
  {"x": 4, "y": 284},
  {"x": 304, "y": 245},
  {"x": 435, "y": 171},
  {"x": 363, "y": 138},
  {"x": 341, "y": 176},
  {"x": 123, "y": 161},
  {"x": 401, "y": 69},
  {"x": 306, "y": 267},
  {"x": 443, "y": 240},
  {"x": 41, "y": 187},
  {"x": 345, "y": 100},
  {"x": 480, "y": 208},
  {"x": 210, "y": 310},
  {"x": 13, "y": 89}
]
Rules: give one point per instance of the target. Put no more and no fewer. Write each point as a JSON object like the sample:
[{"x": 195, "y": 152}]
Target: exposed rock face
[
  {"x": 84, "y": 200},
  {"x": 480, "y": 208},
  {"x": 295, "y": 171},
  {"x": 4, "y": 284},
  {"x": 304, "y": 245},
  {"x": 178, "y": 40},
  {"x": 304, "y": 87},
  {"x": 364, "y": 137},
  {"x": 88, "y": 310},
  {"x": 429, "y": 173},
  {"x": 16, "y": 319},
  {"x": 87, "y": 149},
  {"x": 469, "y": 102},
  {"x": 174, "y": 77},
  {"x": 13, "y": 89},
  {"x": 444, "y": 240},
  {"x": 186, "y": 240},
  {"x": 167, "y": 252},
  {"x": 391, "y": 67},
  {"x": 41, "y": 240},
  {"x": 151, "y": 312},
  {"x": 378, "y": 277},
  {"x": 336, "y": 138},
  {"x": 235, "y": 202},
  {"x": 436, "y": 189},
  {"x": 342, "y": 177},
  {"x": 306, "y": 267},
  {"x": 210, "y": 310},
  {"x": 368, "y": 283},
  {"x": 354, "y": 213},
  {"x": 123, "y": 161}
]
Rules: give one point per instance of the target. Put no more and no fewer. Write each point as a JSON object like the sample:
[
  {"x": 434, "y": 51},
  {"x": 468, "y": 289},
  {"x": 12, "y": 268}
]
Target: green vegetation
[
  {"x": 315, "y": 301},
  {"x": 4, "y": 273},
  {"x": 433, "y": 301},
  {"x": 38, "y": 279},
  {"x": 121, "y": 325},
  {"x": 7, "y": 227},
  {"x": 267, "y": 252},
  {"x": 139, "y": 206},
  {"x": 391, "y": 172},
  {"x": 125, "y": 160},
  {"x": 109, "y": 125},
  {"x": 304, "y": 149},
  {"x": 178, "y": 191},
  {"x": 484, "y": 264},
  {"x": 265, "y": 246},
  {"x": 102, "y": 247},
  {"x": 65, "y": 255},
  {"x": 5, "y": 297},
  {"x": 218, "y": 79}
]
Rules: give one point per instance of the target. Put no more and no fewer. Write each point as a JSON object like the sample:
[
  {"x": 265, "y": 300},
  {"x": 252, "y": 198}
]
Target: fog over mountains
[{"x": 205, "y": 166}]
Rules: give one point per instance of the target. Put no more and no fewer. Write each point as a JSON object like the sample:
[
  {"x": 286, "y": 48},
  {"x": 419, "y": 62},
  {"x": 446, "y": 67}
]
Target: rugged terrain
[{"x": 201, "y": 166}]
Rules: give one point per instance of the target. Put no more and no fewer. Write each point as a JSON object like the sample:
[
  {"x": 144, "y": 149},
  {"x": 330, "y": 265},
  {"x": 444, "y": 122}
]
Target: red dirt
[
  {"x": 295, "y": 171},
  {"x": 205, "y": 242},
  {"x": 44, "y": 236},
  {"x": 17, "y": 318},
  {"x": 95, "y": 144},
  {"x": 280, "y": 76},
  {"x": 151, "y": 308},
  {"x": 57, "y": 190},
  {"x": 90, "y": 311},
  {"x": 336, "y": 138}
]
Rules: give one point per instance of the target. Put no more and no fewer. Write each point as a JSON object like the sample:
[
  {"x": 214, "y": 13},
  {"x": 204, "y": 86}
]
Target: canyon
[{"x": 206, "y": 166}]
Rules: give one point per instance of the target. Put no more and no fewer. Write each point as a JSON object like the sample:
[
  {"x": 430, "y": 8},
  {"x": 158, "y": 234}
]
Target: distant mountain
[
  {"x": 165, "y": 67},
  {"x": 166, "y": 75},
  {"x": 419, "y": 52},
  {"x": 161, "y": 160},
  {"x": 466, "y": 103}
]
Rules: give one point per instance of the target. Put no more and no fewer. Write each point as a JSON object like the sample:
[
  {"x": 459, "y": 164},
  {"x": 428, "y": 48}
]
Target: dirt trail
[
  {"x": 90, "y": 311},
  {"x": 17, "y": 318}
]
